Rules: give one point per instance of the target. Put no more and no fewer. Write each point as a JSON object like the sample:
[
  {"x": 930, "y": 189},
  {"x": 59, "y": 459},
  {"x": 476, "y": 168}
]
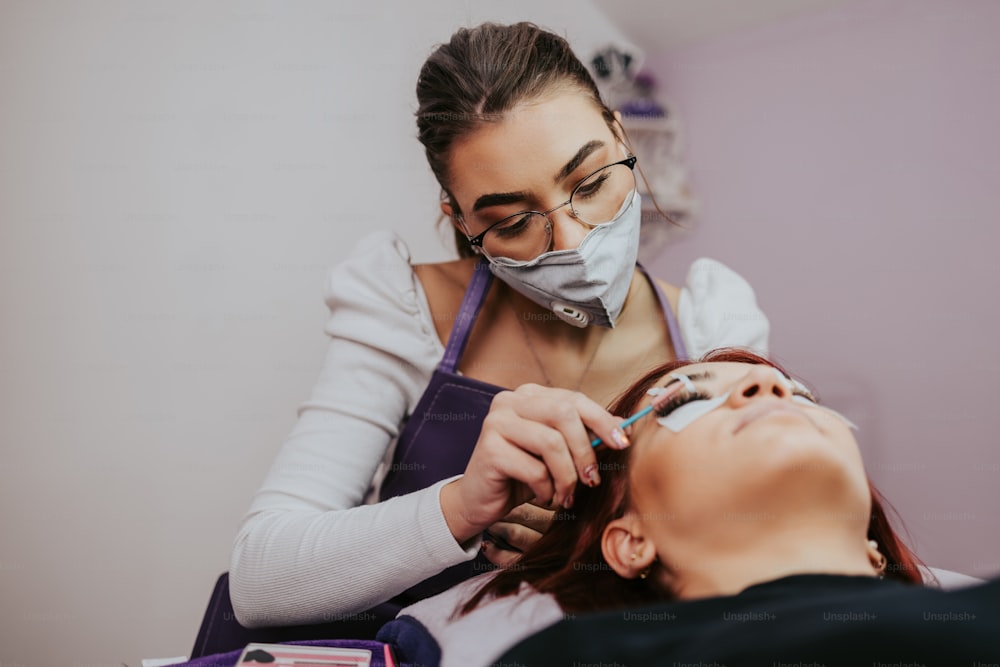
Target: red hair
[{"x": 567, "y": 561}]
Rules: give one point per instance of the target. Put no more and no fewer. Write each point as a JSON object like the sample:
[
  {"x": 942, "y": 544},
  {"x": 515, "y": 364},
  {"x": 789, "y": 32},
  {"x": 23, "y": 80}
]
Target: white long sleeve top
[{"x": 314, "y": 545}]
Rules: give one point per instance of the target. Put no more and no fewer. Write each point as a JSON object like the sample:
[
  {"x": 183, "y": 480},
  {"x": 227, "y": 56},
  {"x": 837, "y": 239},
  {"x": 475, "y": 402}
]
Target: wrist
[{"x": 457, "y": 519}]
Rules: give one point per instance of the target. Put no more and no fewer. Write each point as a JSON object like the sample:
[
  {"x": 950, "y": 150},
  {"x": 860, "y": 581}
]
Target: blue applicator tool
[{"x": 661, "y": 396}]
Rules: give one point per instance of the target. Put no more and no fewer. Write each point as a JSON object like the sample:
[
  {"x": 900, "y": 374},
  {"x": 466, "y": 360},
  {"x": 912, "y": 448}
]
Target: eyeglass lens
[{"x": 597, "y": 200}]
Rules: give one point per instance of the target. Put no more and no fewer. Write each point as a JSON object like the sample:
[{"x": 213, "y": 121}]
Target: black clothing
[{"x": 796, "y": 621}]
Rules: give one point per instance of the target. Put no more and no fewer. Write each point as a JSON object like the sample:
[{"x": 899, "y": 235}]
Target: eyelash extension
[
  {"x": 806, "y": 395},
  {"x": 799, "y": 389},
  {"x": 679, "y": 400}
]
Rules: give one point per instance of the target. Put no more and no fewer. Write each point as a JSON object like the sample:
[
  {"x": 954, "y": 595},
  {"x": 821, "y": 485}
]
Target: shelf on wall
[{"x": 650, "y": 123}]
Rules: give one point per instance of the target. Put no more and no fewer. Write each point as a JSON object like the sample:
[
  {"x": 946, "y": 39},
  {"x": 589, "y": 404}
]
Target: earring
[
  {"x": 642, "y": 573},
  {"x": 881, "y": 562}
]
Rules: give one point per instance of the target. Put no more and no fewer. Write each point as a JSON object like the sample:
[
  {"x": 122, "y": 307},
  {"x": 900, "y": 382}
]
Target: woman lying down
[{"x": 739, "y": 528}]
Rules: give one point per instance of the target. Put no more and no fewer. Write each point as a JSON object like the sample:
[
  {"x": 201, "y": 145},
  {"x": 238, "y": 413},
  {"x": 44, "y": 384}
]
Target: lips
[{"x": 767, "y": 407}]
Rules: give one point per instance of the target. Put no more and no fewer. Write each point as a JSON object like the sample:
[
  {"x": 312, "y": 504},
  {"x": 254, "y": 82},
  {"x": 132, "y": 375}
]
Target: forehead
[{"x": 527, "y": 146}]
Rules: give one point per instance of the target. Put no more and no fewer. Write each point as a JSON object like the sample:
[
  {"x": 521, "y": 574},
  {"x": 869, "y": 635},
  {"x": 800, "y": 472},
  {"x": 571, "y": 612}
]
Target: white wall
[{"x": 175, "y": 177}]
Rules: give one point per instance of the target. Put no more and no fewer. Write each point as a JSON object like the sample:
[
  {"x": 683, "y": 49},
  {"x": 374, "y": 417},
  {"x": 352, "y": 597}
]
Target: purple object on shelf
[
  {"x": 643, "y": 105},
  {"x": 643, "y": 108}
]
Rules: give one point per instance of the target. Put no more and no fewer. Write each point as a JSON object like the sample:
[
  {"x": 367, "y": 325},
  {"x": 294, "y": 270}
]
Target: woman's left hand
[{"x": 521, "y": 528}]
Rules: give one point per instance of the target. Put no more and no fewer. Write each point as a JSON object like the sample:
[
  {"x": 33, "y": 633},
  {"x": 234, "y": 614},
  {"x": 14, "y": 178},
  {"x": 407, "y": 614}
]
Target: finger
[
  {"x": 510, "y": 462},
  {"x": 499, "y": 556},
  {"x": 534, "y": 517},
  {"x": 566, "y": 414},
  {"x": 602, "y": 423},
  {"x": 497, "y": 541},
  {"x": 549, "y": 445},
  {"x": 516, "y": 536},
  {"x": 594, "y": 416}
]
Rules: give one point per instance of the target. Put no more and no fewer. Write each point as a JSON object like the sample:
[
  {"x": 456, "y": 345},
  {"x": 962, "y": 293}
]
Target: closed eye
[
  {"x": 804, "y": 399},
  {"x": 512, "y": 226},
  {"x": 800, "y": 391},
  {"x": 679, "y": 400}
]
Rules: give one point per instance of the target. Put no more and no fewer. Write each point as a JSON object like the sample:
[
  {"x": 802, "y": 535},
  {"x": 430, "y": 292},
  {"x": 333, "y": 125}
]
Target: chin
[
  {"x": 792, "y": 439},
  {"x": 810, "y": 465}
]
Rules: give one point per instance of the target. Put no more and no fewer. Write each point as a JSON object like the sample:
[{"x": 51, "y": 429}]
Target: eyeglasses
[{"x": 598, "y": 199}]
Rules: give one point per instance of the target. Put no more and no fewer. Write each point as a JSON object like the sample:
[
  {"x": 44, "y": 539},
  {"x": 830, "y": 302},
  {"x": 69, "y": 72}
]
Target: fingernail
[
  {"x": 619, "y": 438},
  {"x": 568, "y": 502},
  {"x": 590, "y": 473}
]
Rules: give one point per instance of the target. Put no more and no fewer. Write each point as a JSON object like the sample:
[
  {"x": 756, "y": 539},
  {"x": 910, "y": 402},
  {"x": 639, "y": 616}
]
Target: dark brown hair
[
  {"x": 567, "y": 561},
  {"x": 481, "y": 74}
]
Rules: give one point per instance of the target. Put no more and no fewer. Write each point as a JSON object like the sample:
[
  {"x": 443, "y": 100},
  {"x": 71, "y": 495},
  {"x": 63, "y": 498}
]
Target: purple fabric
[
  {"x": 437, "y": 443},
  {"x": 680, "y": 350},
  {"x": 472, "y": 303},
  {"x": 414, "y": 641},
  {"x": 229, "y": 659},
  {"x": 439, "y": 436}
]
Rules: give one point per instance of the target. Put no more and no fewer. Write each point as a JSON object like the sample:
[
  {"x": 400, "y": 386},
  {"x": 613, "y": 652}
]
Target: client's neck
[{"x": 796, "y": 550}]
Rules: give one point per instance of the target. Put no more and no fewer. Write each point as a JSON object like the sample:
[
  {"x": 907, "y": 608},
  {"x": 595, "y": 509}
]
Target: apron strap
[
  {"x": 472, "y": 303},
  {"x": 680, "y": 351}
]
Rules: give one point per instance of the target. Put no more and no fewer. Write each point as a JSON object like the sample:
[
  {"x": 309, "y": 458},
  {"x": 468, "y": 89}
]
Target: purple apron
[{"x": 438, "y": 438}]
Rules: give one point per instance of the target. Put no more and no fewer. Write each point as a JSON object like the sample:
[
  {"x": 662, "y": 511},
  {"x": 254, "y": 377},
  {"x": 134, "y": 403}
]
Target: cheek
[
  {"x": 681, "y": 473},
  {"x": 856, "y": 467}
]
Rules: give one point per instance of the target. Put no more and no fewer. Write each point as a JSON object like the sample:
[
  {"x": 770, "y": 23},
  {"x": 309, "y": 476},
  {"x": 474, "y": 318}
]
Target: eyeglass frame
[{"x": 477, "y": 241}]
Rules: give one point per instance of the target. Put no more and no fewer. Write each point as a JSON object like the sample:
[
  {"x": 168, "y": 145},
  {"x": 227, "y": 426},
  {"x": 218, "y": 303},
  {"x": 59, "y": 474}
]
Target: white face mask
[{"x": 586, "y": 285}]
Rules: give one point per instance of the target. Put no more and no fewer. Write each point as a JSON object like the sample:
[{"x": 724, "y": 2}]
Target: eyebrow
[
  {"x": 499, "y": 199},
  {"x": 578, "y": 159},
  {"x": 694, "y": 377},
  {"x": 503, "y": 198}
]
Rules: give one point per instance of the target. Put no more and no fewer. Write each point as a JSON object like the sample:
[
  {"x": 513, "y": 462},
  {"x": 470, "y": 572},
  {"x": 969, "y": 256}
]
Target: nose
[
  {"x": 762, "y": 381},
  {"x": 567, "y": 231}
]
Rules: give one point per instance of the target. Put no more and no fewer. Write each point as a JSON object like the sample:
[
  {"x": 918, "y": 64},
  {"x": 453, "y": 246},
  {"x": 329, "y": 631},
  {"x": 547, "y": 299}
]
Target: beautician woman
[{"x": 495, "y": 365}]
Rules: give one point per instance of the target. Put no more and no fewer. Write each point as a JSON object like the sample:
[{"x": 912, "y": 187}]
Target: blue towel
[{"x": 413, "y": 642}]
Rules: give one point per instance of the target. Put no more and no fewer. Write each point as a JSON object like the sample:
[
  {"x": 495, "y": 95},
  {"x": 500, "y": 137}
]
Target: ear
[
  {"x": 446, "y": 209},
  {"x": 449, "y": 212},
  {"x": 626, "y": 550},
  {"x": 620, "y": 131}
]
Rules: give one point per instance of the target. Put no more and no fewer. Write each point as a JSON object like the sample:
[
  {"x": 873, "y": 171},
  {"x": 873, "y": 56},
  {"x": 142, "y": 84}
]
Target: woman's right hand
[{"x": 534, "y": 446}]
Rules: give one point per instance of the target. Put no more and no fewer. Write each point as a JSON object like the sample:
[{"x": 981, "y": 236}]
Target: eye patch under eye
[{"x": 682, "y": 416}]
